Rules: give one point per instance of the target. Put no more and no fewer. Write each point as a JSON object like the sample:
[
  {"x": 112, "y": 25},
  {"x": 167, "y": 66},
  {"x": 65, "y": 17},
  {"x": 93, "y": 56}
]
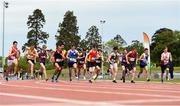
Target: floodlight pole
[
  {"x": 5, "y": 5},
  {"x": 102, "y": 22}
]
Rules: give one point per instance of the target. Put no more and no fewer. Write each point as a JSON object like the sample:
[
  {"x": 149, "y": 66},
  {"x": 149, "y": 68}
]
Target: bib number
[
  {"x": 81, "y": 62},
  {"x": 73, "y": 60},
  {"x": 59, "y": 60},
  {"x": 132, "y": 59}
]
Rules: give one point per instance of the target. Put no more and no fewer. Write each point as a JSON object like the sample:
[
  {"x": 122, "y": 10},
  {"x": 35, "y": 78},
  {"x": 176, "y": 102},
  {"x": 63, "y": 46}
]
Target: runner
[
  {"x": 91, "y": 57},
  {"x": 166, "y": 59},
  {"x": 31, "y": 59},
  {"x": 81, "y": 63},
  {"x": 12, "y": 61},
  {"x": 114, "y": 61},
  {"x": 131, "y": 59},
  {"x": 72, "y": 56},
  {"x": 143, "y": 63},
  {"x": 99, "y": 60},
  {"x": 124, "y": 65},
  {"x": 43, "y": 55},
  {"x": 58, "y": 58}
]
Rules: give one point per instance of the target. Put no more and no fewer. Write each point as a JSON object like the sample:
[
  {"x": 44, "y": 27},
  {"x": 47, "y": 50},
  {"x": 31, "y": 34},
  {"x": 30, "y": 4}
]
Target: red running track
[{"x": 79, "y": 93}]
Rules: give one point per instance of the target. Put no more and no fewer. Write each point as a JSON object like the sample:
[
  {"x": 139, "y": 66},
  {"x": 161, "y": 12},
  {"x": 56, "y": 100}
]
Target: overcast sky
[{"x": 129, "y": 18}]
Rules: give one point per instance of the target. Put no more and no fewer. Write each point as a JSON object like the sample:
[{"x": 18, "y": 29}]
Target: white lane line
[
  {"x": 145, "y": 85},
  {"x": 87, "y": 103},
  {"x": 94, "y": 91},
  {"x": 70, "y": 101},
  {"x": 111, "y": 88},
  {"x": 147, "y": 101},
  {"x": 128, "y": 82}
]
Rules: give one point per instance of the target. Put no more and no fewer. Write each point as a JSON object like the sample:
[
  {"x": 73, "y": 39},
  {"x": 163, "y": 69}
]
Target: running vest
[
  {"x": 82, "y": 60},
  {"x": 166, "y": 57},
  {"x": 58, "y": 57},
  {"x": 114, "y": 57},
  {"x": 72, "y": 56},
  {"x": 123, "y": 58},
  {"x": 132, "y": 56},
  {"x": 144, "y": 60},
  {"x": 98, "y": 59},
  {"x": 93, "y": 56},
  {"x": 30, "y": 54},
  {"x": 13, "y": 50},
  {"x": 42, "y": 55}
]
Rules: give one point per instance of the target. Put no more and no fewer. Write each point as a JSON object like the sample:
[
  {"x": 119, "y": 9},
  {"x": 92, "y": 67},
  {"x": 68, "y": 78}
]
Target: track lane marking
[
  {"x": 71, "y": 101},
  {"x": 120, "y": 88},
  {"x": 95, "y": 91}
]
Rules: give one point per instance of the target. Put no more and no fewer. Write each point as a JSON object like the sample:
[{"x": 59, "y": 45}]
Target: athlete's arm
[
  {"x": 77, "y": 54},
  {"x": 162, "y": 57},
  {"x": 141, "y": 57},
  {"x": 127, "y": 60},
  {"x": 170, "y": 57},
  {"x": 118, "y": 55},
  {"x": 52, "y": 57},
  {"x": 36, "y": 53},
  {"x": 102, "y": 57},
  {"x": 109, "y": 58},
  {"x": 67, "y": 55},
  {"x": 47, "y": 55},
  {"x": 10, "y": 52},
  {"x": 87, "y": 56},
  {"x": 136, "y": 58}
]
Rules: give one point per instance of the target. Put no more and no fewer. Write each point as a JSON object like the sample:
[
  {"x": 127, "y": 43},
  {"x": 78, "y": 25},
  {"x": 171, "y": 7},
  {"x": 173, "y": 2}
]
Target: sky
[{"x": 129, "y": 18}]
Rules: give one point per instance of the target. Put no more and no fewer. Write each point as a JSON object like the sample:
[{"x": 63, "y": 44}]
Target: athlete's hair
[
  {"x": 59, "y": 43},
  {"x": 44, "y": 46},
  {"x": 99, "y": 50},
  {"x": 80, "y": 49},
  {"x": 145, "y": 49},
  {"x": 31, "y": 44},
  {"x": 115, "y": 48},
  {"x": 15, "y": 42},
  {"x": 94, "y": 46},
  {"x": 128, "y": 49},
  {"x": 72, "y": 45}
]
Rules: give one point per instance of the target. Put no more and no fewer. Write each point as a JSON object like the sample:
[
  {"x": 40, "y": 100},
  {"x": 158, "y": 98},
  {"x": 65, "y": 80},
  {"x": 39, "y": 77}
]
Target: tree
[
  {"x": 117, "y": 41},
  {"x": 68, "y": 31},
  {"x": 83, "y": 44},
  {"x": 93, "y": 38},
  {"x": 35, "y": 24},
  {"x": 161, "y": 38},
  {"x": 121, "y": 42},
  {"x": 112, "y": 43},
  {"x": 136, "y": 45}
]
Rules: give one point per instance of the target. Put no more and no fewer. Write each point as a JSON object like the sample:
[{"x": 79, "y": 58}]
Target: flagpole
[{"x": 147, "y": 45}]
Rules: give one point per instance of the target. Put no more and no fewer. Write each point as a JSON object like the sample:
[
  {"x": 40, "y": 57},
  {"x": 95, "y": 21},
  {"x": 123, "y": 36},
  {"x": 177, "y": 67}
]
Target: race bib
[
  {"x": 73, "y": 60},
  {"x": 132, "y": 59},
  {"x": 12, "y": 57},
  {"x": 81, "y": 62},
  {"x": 43, "y": 56},
  {"x": 120, "y": 59},
  {"x": 123, "y": 60},
  {"x": 93, "y": 58},
  {"x": 59, "y": 60},
  {"x": 166, "y": 62},
  {"x": 98, "y": 61}
]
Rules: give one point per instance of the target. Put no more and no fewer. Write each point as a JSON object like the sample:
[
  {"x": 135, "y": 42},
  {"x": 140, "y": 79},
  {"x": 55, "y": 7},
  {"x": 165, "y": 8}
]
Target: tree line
[{"x": 68, "y": 33}]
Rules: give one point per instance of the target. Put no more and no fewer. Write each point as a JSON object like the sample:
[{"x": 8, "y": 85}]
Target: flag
[{"x": 147, "y": 45}]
